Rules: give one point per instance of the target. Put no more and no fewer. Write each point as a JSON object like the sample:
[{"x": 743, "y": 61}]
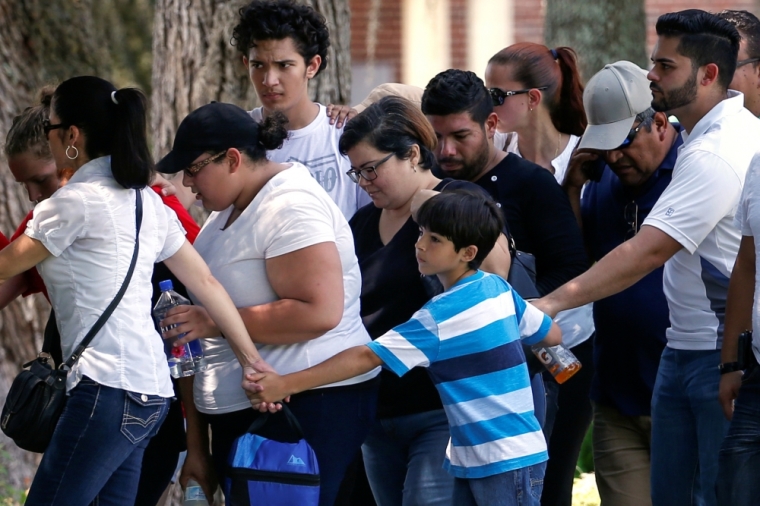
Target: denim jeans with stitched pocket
[
  {"x": 739, "y": 461},
  {"x": 97, "y": 448},
  {"x": 688, "y": 427},
  {"x": 520, "y": 487}
]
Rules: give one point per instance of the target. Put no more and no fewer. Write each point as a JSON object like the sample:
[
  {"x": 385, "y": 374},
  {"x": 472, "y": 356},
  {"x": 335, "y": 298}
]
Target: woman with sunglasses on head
[
  {"x": 82, "y": 240},
  {"x": 390, "y": 145},
  {"x": 283, "y": 250},
  {"x": 537, "y": 94}
]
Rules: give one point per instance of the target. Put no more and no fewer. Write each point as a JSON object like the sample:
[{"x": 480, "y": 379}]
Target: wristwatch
[{"x": 729, "y": 367}]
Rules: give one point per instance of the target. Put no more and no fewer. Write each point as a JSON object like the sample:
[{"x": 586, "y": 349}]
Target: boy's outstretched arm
[{"x": 269, "y": 387}]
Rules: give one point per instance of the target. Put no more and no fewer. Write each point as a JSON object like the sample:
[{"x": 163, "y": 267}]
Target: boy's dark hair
[
  {"x": 465, "y": 218},
  {"x": 26, "y": 134},
  {"x": 454, "y": 91},
  {"x": 749, "y": 29},
  {"x": 279, "y": 19},
  {"x": 704, "y": 38},
  {"x": 392, "y": 125},
  {"x": 114, "y": 123}
]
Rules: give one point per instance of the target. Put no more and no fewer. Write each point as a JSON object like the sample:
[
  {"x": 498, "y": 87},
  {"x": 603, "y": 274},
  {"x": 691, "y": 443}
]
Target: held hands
[
  {"x": 265, "y": 389},
  {"x": 729, "y": 391},
  {"x": 340, "y": 114},
  {"x": 192, "y": 320}
]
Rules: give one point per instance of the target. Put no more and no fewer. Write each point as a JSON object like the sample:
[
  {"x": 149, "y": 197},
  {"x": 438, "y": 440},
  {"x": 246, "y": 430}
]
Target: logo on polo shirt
[{"x": 670, "y": 211}]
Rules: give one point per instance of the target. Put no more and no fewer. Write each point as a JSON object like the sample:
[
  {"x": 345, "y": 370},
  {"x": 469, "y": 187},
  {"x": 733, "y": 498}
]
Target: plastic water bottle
[
  {"x": 558, "y": 360},
  {"x": 194, "y": 495},
  {"x": 183, "y": 360}
]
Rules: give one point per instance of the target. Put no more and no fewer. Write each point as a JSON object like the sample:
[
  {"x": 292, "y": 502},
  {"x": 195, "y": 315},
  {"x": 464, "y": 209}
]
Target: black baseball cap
[{"x": 213, "y": 127}]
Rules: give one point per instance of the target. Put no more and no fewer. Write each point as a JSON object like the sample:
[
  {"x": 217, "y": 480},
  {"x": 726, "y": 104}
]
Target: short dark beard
[
  {"x": 472, "y": 168},
  {"x": 679, "y": 97}
]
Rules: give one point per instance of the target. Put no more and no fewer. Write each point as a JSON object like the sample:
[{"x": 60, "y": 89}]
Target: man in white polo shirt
[{"x": 690, "y": 230}]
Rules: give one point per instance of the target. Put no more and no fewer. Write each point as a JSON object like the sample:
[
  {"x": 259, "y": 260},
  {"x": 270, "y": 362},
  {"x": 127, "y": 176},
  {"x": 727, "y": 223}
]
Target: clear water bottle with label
[
  {"x": 194, "y": 495},
  {"x": 183, "y": 360},
  {"x": 558, "y": 360}
]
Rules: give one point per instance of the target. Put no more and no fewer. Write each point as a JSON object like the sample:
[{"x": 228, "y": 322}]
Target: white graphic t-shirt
[{"x": 316, "y": 147}]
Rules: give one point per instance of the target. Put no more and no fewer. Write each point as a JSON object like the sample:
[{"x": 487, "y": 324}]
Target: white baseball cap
[{"x": 612, "y": 99}]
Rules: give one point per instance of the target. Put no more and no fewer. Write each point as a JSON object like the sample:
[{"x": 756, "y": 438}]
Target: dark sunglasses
[
  {"x": 47, "y": 127},
  {"x": 367, "y": 173},
  {"x": 498, "y": 96},
  {"x": 195, "y": 168},
  {"x": 628, "y": 138},
  {"x": 741, "y": 63}
]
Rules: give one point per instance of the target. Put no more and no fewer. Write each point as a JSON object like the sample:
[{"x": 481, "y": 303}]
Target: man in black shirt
[{"x": 537, "y": 211}]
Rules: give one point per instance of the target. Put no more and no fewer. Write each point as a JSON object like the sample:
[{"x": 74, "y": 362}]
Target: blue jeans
[
  {"x": 404, "y": 457},
  {"x": 521, "y": 487},
  {"x": 97, "y": 448},
  {"x": 688, "y": 427},
  {"x": 739, "y": 462}
]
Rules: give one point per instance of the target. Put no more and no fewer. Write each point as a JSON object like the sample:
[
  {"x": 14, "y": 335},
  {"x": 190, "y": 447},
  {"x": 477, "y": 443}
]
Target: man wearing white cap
[
  {"x": 637, "y": 150},
  {"x": 690, "y": 230}
]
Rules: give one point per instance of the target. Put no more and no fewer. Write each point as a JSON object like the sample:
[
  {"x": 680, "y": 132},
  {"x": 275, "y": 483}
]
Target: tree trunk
[
  {"x": 44, "y": 42},
  {"x": 600, "y": 31},
  {"x": 194, "y": 62}
]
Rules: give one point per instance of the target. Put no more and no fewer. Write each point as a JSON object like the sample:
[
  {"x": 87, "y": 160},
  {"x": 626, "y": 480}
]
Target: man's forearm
[{"x": 741, "y": 291}]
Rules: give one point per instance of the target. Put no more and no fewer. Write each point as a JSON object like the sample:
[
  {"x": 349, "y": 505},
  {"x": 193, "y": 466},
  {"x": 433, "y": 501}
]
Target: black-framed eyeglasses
[
  {"x": 498, "y": 95},
  {"x": 742, "y": 63},
  {"x": 367, "y": 173},
  {"x": 47, "y": 127},
  {"x": 195, "y": 168},
  {"x": 631, "y": 216},
  {"x": 628, "y": 138}
]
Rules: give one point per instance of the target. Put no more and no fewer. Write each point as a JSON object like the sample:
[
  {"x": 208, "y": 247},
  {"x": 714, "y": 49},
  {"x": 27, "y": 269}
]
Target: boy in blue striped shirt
[{"x": 469, "y": 340}]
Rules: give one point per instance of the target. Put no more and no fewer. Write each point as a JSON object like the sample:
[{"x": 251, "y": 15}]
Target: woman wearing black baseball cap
[{"x": 284, "y": 252}]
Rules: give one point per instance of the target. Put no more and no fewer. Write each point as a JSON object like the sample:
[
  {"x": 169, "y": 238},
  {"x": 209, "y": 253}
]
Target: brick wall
[
  {"x": 388, "y": 43},
  {"x": 458, "y": 13}
]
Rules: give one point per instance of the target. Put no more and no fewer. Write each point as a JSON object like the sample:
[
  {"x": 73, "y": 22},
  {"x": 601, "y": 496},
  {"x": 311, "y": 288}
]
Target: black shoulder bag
[{"x": 37, "y": 396}]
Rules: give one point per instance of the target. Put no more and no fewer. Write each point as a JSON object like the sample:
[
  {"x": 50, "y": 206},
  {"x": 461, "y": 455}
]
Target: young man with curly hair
[{"x": 284, "y": 46}]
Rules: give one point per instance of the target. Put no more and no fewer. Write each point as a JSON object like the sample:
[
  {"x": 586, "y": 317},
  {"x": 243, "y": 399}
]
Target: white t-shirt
[
  {"x": 748, "y": 221},
  {"x": 577, "y": 324},
  {"x": 316, "y": 147},
  {"x": 88, "y": 226},
  {"x": 697, "y": 210},
  {"x": 289, "y": 213}
]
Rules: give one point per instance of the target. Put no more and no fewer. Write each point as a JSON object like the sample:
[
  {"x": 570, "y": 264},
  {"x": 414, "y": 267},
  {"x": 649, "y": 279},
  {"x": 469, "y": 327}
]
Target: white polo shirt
[
  {"x": 697, "y": 210},
  {"x": 748, "y": 221}
]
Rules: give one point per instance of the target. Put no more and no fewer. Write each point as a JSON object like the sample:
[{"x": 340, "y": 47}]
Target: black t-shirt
[
  {"x": 392, "y": 290},
  {"x": 540, "y": 219}
]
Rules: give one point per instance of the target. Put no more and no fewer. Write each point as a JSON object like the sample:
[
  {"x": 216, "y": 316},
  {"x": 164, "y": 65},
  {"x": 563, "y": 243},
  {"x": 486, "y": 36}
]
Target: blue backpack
[{"x": 267, "y": 472}]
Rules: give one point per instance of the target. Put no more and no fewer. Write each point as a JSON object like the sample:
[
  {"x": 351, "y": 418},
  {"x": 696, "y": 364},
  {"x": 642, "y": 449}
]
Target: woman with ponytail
[
  {"x": 283, "y": 250},
  {"x": 538, "y": 97},
  {"x": 82, "y": 240}
]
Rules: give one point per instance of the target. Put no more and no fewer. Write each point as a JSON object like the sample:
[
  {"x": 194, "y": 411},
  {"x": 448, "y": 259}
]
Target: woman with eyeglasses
[
  {"x": 537, "y": 94},
  {"x": 82, "y": 240},
  {"x": 283, "y": 250},
  {"x": 390, "y": 145}
]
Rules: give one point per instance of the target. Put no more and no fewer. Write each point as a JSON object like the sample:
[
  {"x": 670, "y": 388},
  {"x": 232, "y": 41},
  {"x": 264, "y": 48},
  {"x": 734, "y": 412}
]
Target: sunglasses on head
[
  {"x": 47, "y": 127},
  {"x": 498, "y": 95}
]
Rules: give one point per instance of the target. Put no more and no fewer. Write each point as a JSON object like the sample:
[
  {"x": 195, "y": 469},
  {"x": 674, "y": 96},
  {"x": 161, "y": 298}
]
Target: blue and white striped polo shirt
[{"x": 468, "y": 338}]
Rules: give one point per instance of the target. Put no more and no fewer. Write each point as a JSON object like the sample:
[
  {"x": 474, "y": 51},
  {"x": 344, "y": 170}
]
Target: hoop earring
[{"x": 76, "y": 153}]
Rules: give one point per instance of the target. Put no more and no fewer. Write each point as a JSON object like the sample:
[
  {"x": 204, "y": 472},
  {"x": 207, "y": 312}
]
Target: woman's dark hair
[
  {"x": 465, "y": 218},
  {"x": 454, "y": 91},
  {"x": 392, "y": 125},
  {"x": 704, "y": 38},
  {"x": 114, "y": 123},
  {"x": 26, "y": 134},
  {"x": 270, "y": 135},
  {"x": 535, "y": 66},
  {"x": 279, "y": 19}
]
